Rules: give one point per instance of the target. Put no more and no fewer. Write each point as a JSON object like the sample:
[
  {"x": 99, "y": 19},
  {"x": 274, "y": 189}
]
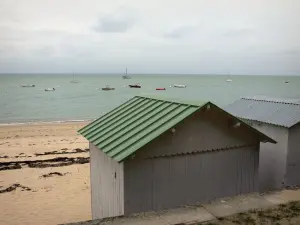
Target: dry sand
[{"x": 50, "y": 200}]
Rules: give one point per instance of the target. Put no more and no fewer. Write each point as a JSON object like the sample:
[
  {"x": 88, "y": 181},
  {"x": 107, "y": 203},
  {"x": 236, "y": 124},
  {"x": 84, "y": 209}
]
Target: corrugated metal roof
[
  {"x": 127, "y": 128},
  {"x": 130, "y": 126},
  {"x": 284, "y": 113}
]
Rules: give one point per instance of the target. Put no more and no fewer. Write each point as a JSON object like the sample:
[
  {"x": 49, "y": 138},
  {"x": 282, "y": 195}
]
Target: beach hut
[
  {"x": 151, "y": 154},
  {"x": 279, "y": 119}
]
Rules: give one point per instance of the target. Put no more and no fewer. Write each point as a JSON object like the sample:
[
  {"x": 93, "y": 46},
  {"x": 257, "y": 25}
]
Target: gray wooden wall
[
  {"x": 292, "y": 176},
  {"x": 273, "y": 157},
  {"x": 107, "y": 185},
  {"x": 168, "y": 182},
  {"x": 183, "y": 167}
]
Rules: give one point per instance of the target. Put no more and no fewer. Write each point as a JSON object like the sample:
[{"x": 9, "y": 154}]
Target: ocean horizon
[
  {"x": 145, "y": 74},
  {"x": 86, "y": 101}
]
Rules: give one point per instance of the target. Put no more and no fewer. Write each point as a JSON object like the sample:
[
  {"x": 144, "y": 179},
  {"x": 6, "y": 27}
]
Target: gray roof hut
[
  {"x": 151, "y": 154},
  {"x": 279, "y": 119}
]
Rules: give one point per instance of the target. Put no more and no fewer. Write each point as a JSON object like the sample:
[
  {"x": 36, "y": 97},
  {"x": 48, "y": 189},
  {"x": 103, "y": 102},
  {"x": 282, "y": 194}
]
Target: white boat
[
  {"x": 74, "y": 81},
  {"x": 228, "y": 80},
  {"x": 179, "y": 85},
  {"x": 50, "y": 89}
]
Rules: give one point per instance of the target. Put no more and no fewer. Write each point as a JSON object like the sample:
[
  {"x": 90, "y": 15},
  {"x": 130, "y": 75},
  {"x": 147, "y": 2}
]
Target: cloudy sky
[{"x": 157, "y": 36}]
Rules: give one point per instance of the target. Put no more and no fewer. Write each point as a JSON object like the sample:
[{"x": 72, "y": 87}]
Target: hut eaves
[{"x": 122, "y": 131}]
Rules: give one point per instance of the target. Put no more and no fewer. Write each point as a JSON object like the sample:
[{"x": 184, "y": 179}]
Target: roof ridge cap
[
  {"x": 175, "y": 100},
  {"x": 272, "y": 101}
]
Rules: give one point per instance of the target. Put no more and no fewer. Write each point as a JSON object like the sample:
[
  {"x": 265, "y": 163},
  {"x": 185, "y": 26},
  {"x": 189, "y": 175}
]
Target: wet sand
[{"x": 44, "y": 174}]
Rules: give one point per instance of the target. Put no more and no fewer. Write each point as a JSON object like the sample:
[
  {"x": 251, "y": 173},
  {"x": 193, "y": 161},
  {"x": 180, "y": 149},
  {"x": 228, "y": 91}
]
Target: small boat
[
  {"x": 126, "y": 76},
  {"x": 134, "y": 86},
  {"x": 107, "y": 88},
  {"x": 179, "y": 85},
  {"x": 229, "y": 78},
  {"x": 50, "y": 89},
  {"x": 286, "y": 82},
  {"x": 160, "y": 89},
  {"x": 27, "y": 85},
  {"x": 74, "y": 81}
]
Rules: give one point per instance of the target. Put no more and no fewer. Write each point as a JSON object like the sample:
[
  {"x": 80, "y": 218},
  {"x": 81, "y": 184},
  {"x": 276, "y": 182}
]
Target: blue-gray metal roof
[{"x": 280, "y": 112}]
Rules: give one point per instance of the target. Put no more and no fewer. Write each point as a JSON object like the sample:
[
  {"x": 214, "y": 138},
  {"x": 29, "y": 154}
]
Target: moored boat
[
  {"x": 107, "y": 88},
  {"x": 126, "y": 76},
  {"x": 134, "y": 86},
  {"x": 160, "y": 89},
  {"x": 179, "y": 85},
  {"x": 50, "y": 89},
  {"x": 27, "y": 85},
  {"x": 74, "y": 81}
]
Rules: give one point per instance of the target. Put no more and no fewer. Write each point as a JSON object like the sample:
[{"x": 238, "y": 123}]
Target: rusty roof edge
[{"x": 251, "y": 128}]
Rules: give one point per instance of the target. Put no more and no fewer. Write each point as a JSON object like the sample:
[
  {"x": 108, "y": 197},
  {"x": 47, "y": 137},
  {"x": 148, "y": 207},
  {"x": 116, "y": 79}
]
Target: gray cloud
[
  {"x": 179, "y": 32},
  {"x": 238, "y": 32},
  {"x": 120, "y": 21},
  {"x": 292, "y": 52},
  {"x": 152, "y": 37},
  {"x": 46, "y": 51},
  {"x": 113, "y": 25},
  {"x": 25, "y": 35}
]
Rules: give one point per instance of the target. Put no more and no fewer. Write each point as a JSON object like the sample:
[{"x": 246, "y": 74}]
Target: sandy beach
[{"x": 44, "y": 174}]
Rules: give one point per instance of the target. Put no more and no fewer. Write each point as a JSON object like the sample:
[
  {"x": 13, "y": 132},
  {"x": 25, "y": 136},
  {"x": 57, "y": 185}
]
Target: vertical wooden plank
[{"x": 107, "y": 185}]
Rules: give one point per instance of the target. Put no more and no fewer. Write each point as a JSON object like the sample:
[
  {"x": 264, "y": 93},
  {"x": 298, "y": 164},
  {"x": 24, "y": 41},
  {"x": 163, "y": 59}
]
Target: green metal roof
[
  {"x": 127, "y": 128},
  {"x": 133, "y": 124}
]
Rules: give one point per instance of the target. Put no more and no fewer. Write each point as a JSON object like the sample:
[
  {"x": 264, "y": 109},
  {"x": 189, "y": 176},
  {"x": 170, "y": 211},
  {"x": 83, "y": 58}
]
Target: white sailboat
[
  {"x": 74, "y": 81},
  {"x": 229, "y": 78},
  {"x": 126, "y": 76}
]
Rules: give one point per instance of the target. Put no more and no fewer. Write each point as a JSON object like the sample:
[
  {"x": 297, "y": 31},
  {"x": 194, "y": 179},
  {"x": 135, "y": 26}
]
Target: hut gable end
[{"x": 202, "y": 131}]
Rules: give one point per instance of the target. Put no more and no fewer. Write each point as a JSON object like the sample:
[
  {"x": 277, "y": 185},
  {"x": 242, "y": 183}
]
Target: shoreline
[{"x": 45, "y": 122}]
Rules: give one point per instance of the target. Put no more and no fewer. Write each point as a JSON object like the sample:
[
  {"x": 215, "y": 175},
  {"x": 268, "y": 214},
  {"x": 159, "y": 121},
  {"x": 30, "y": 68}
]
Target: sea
[{"x": 86, "y": 100}]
